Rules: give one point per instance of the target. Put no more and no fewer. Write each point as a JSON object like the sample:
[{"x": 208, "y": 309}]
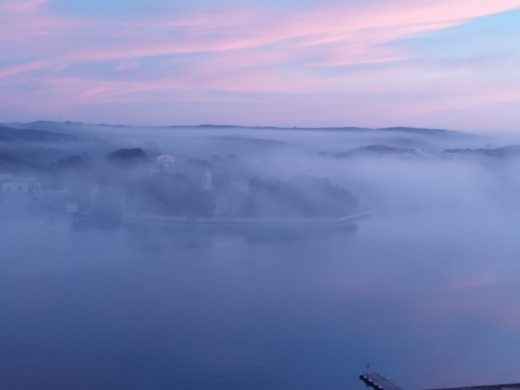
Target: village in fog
[
  {"x": 101, "y": 180},
  {"x": 137, "y": 186}
]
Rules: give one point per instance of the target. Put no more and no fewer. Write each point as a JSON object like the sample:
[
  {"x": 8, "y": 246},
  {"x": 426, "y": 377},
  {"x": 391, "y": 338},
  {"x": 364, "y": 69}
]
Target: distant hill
[
  {"x": 9, "y": 163},
  {"x": 377, "y": 150},
  {"x": 502, "y": 152},
  {"x": 416, "y": 130},
  {"x": 409, "y": 130},
  {"x": 9, "y": 134},
  {"x": 63, "y": 126},
  {"x": 221, "y": 127}
]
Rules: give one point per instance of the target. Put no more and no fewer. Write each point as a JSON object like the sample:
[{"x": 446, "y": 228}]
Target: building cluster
[
  {"x": 169, "y": 186},
  {"x": 12, "y": 185},
  {"x": 30, "y": 190}
]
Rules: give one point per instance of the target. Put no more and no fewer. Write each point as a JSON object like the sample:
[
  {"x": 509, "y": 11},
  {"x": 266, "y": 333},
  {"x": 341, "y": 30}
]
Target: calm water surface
[{"x": 116, "y": 310}]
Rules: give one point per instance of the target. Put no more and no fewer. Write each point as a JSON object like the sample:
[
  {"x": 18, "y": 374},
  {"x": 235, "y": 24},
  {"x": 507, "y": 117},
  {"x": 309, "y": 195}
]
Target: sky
[{"x": 374, "y": 63}]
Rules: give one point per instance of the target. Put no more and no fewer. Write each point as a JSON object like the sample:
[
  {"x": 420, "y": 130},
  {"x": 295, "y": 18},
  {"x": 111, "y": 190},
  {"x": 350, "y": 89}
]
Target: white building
[{"x": 165, "y": 162}]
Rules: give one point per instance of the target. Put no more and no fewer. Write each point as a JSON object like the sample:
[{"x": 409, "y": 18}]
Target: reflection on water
[{"x": 113, "y": 310}]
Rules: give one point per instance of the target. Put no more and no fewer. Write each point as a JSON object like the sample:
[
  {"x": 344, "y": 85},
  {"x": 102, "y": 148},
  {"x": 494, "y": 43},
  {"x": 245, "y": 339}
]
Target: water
[{"x": 110, "y": 310}]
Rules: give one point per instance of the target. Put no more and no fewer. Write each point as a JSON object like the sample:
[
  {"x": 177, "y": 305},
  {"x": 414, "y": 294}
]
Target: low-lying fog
[{"x": 239, "y": 258}]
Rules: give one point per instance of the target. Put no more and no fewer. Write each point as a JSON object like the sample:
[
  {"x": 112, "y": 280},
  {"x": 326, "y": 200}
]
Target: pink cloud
[
  {"x": 126, "y": 65},
  {"x": 346, "y": 34},
  {"x": 21, "y": 6},
  {"x": 242, "y": 50}
]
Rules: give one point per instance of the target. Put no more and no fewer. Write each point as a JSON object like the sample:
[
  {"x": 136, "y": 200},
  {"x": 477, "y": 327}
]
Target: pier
[
  {"x": 342, "y": 222},
  {"x": 376, "y": 381}
]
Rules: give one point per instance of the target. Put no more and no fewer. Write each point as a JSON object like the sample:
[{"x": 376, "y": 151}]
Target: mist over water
[{"x": 424, "y": 288}]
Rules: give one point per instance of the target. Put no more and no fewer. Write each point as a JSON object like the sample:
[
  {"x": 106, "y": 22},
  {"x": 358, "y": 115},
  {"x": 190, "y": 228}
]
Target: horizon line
[{"x": 217, "y": 125}]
